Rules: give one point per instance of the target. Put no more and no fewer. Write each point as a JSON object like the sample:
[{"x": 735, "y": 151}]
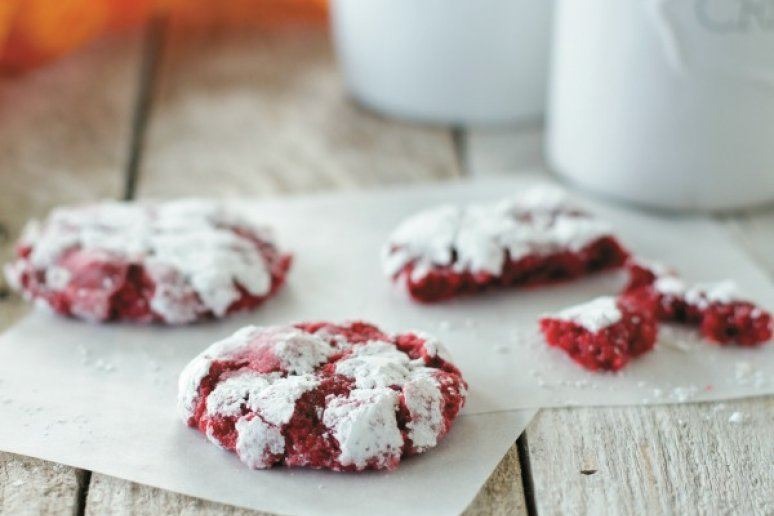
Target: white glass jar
[
  {"x": 446, "y": 61},
  {"x": 665, "y": 103}
]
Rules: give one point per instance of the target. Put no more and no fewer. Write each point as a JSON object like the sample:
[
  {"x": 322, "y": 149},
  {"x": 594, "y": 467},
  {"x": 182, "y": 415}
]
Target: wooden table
[{"x": 171, "y": 111}]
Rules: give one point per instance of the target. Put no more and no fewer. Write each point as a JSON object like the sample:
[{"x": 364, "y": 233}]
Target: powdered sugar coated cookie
[
  {"x": 343, "y": 397},
  {"x": 535, "y": 237},
  {"x": 173, "y": 262}
]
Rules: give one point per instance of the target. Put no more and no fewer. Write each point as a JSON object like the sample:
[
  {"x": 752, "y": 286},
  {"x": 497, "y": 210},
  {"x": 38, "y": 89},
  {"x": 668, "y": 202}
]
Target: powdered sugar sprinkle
[{"x": 595, "y": 315}]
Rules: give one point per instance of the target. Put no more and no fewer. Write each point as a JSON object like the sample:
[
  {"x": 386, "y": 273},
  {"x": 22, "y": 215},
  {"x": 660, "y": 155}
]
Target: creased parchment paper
[{"x": 103, "y": 397}]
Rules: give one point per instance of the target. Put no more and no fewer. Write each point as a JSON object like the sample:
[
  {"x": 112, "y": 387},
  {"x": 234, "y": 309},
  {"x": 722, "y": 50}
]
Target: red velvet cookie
[
  {"x": 323, "y": 396},
  {"x": 534, "y": 238},
  {"x": 173, "y": 262},
  {"x": 715, "y": 308},
  {"x": 603, "y": 334}
]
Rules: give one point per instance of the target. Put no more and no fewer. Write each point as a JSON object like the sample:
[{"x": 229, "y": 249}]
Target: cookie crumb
[
  {"x": 444, "y": 325},
  {"x": 682, "y": 394}
]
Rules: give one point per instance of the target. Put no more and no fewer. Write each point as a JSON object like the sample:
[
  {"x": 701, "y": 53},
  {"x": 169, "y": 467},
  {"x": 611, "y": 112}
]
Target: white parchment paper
[
  {"x": 92, "y": 398},
  {"x": 494, "y": 337},
  {"x": 103, "y": 397}
]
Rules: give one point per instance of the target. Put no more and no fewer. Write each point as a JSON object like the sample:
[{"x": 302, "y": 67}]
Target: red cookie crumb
[
  {"x": 320, "y": 395},
  {"x": 603, "y": 334},
  {"x": 174, "y": 262},
  {"x": 715, "y": 308},
  {"x": 532, "y": 239}
]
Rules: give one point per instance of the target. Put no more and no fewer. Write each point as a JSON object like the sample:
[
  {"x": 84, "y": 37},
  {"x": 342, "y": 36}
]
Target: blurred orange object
[
  {"x": 253, "y": 13},
  {"x": 35, "y": 31}
]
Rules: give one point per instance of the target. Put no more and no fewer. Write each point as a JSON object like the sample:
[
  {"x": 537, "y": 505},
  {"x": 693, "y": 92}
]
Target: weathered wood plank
[
  {"x": 682, "y": 459},
  {"x": 267, "y": 113},
  {"x": 32, "y": 486},
  {"x": 63, "y": 133},
  {"x": 109, "y": 495},
  {"x": 656, "y": 460},
  {"x": 245, "y": 114},
  {"x": 502, "y": 495}
]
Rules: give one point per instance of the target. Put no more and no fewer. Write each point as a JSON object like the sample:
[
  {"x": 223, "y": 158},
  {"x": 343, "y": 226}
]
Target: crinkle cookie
[
  {"x": 342, "y": 397},
  {"x": 169, "y": 262},
  {"x": 716, "y": 309},
  {"x": 533, "y": 238}
]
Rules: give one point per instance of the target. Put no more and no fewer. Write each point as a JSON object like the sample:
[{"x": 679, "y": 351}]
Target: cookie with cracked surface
[
  {"x": 168, "y": 262},
  {"x": 319, "y": 395},
  {"x": 533, "y": 238}
]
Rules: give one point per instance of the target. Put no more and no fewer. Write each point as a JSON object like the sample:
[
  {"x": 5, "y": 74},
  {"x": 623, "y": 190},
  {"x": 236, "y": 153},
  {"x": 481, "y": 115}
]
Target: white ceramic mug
[
  {"x": 446, "y": 61},
  {"x": 665, "y": 103}
]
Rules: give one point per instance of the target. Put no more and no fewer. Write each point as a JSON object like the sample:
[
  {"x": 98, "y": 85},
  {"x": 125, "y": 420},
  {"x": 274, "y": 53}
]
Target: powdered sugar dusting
[
  {"x": 433, "y": 346},
  {"x": 429, "y": 234},
  {"x": 298, "y": 351},
  {"x": 704, "y": 294},
  {"x": 594, "y": 315},
  {"x": 276, "y": 403},
  {"x": 365, "y": 427},
  {"x": 670, "y": 285},
  {"x": 375, "y": 364},
  {"x": 229, "y": 396},
  {"x": 199, "y": 367},
  {"x": 423, "y": 400},
  {"x": 257, "y": 441},
  {"x": 476, "y": 238},
  {"x": 700, "y": 295}
]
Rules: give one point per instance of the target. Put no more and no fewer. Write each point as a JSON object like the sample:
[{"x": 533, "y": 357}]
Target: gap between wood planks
[
  {"x": 153, "y": 39},
  {"x": 149, "y": 67},
  {"x": 459, "y": 138}
]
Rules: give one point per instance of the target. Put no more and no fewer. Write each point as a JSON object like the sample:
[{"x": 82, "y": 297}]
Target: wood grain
[
  {"x": 32, "y": 486},
  {"x": 656, "y": 460},
  {"x": 680, "y": 459},
  {"x": 257, "y": 114},
  {"x": 502, "y": 495},
  {"x": 63, "y": 134},
  {"x": 246, "y": 114},
  {"x": 109, "y": 495}
]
